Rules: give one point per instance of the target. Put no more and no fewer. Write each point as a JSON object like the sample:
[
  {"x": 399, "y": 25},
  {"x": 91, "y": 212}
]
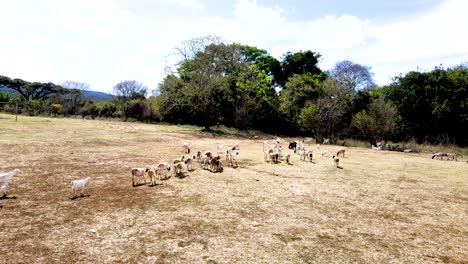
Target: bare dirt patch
[{"x": 381, "y": 207}]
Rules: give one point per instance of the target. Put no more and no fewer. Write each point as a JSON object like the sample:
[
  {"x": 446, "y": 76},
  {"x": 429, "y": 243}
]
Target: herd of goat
[{"x": 272, "y": 152}]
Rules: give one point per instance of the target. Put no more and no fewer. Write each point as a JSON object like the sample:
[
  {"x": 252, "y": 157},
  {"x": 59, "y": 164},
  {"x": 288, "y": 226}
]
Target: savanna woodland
[{"x": 241, "y": 86}]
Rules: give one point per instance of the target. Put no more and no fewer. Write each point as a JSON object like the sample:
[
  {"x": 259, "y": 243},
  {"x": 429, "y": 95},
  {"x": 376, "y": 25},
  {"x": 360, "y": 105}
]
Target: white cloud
[
  {"x": 195, "y": 4},
  {"x": 102, "y": 43}
]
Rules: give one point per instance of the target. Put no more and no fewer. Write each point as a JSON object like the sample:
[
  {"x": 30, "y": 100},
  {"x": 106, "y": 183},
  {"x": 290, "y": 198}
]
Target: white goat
[
  {"x": 300, "y": 146},
  {"x": 235, "y": 147},
  {"x": 451, "y": 155},
  {"x": 79, "y": 184},
  {"x": 162, "y": 169},
  {"x": 138, "y": 173},
  {"x": 5, "y": 190},
  {"x": 309, "y": 154},
  {"x": 5, "y": 177},
  {"x": 438, "y": 155},
  {"x": 232, "y": 157},
  {"x": 303, "y": 154},
  {"x": 186, "y": 148},
  {"x": 376, "y": 148},
  {"x": 205, "y": 161}
]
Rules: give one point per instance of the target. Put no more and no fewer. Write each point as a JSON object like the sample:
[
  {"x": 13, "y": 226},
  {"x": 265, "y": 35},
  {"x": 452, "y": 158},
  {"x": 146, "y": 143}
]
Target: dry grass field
[{"x": 381, "y": 207}]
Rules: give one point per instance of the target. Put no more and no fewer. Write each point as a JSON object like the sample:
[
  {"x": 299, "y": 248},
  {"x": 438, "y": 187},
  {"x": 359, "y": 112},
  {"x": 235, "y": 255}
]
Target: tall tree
[
  {"x": 75, "y": 85},
  {"x": 31, "y": 90},
  {"x": 127, "y": 90},
  {"x": 353, "y": 76},
  {"x": 377, "y": 122},
  {"x": 299, "y": 63}
]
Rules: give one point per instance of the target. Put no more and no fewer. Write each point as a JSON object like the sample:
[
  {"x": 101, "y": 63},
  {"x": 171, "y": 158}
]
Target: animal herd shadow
[
  {"x": 79, "y": 197},
  {"x": 7, "y": 197}
]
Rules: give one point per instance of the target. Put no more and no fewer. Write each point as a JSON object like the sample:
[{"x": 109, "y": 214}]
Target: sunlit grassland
[{"x": 380, "y": 207}]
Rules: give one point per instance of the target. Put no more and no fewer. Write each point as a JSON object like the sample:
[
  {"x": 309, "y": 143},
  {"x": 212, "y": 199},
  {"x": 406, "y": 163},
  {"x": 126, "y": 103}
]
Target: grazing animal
[
  {"x": 300, "y": 146},
  {"x": 326, "y": 141},
  {"x": 178, "y": 168},
  {"x": 231, "y": 156},
  {"x": 152, "y": 177},
  {"x": 188, "y": 163},
  {"x": 79, "y": 184},
  {"x": 438, "y": 155},
  {"x": 199, "y": 154},
  {"x": 205, "y": 161},
  {"x": 376, "y": 148},
  {"x": 341, "y": 151},
  {"x": 337, "y": 161},
  {"x": 216, "y": 164},
  {"x": 5, "y": 177},
  {"x": 181, "y": 159},
  {"x": 138, "y": 173},
  {"x": 235, "y": 147},
  {"x": 162, "y": 169},
  {"x": 186, "y": 148},
  {"x": 274, "y": 157},
  {"x": 309, "y": 154},
  {"x": 407, "y": 150},
  {"x": 451, "y": 155},
  {"x": 302, "y": 154},
  {"x": 5, "y": 188},
  {"x": 292, "y": 145}
]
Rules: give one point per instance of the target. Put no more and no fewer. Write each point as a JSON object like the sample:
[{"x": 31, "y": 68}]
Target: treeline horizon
[{"x": 244, "y": 87}]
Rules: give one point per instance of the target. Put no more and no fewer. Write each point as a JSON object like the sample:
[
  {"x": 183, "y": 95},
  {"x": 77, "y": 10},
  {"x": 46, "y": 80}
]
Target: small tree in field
[
  {"x": 127, "y": 90},
  {"x": 377, "y": 122}
]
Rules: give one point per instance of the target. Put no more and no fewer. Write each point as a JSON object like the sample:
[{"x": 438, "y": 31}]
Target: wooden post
[{"x": 16, "y": 111}]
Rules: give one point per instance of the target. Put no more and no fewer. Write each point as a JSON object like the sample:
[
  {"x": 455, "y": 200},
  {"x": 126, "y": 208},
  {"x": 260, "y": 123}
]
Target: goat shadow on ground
[
  {"x": 7, "y": 198},
  {"x": 81, "y": 196},
  {"x": 339, "y": 167},
  {"x": 138, "y": 184},
  {"x": 182, "y": 175},
  {"x": 156, "y": 184}
]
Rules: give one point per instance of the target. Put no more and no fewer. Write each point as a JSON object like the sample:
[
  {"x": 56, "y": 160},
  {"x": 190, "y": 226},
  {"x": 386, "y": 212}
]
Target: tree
[
  {"x": 75, "y": 85},
  {"x": 299, "y": 63},
  {"x": 31, "y": 91},
  {"x": 128, "y": 90},
  {"x": 322, "y": 118},
  {"x": 432, "y": 104},
  {"x": 299, "y": 91},
  {"x": 377, "y": 122},
  {"x": 188, "y": 49},
  {"x": 253, "y": 94},
  {"x": 353, "y": 76}
]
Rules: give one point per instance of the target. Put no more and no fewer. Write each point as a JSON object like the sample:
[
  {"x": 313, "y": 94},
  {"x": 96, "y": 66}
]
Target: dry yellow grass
[{"x": 381, "y": 207}]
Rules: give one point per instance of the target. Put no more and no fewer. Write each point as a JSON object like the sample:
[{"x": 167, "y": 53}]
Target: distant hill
[
  {"x": 97, "y": 96},
  {"x": 89, "y": 95}
]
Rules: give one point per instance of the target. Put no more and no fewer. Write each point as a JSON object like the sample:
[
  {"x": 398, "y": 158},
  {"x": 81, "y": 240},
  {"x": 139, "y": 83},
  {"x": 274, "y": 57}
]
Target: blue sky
[{"x": 103, "y": 42}]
